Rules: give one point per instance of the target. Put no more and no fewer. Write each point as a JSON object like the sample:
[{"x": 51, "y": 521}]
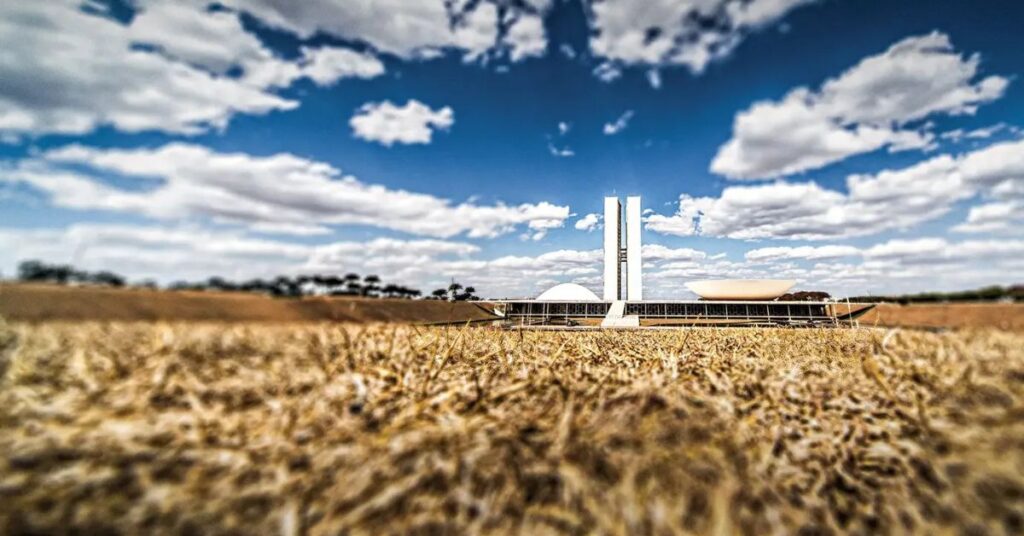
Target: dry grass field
[
  {"x": 947, "y": 315},
  {"x": 44, "y": 303},
  {"x": 386, "y": 429}
]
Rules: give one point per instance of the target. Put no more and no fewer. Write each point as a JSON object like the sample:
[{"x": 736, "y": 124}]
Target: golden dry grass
[
  {"x": 46, "y": 303},
  {"x": 341, "y": 429}
]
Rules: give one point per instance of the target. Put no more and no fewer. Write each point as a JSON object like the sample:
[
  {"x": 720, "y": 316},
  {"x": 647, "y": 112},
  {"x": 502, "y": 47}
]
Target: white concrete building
[
  {"x": 634, "y": 264},
  {"x": 612, "y": 249},
  {"x": 615, "y": 254}
]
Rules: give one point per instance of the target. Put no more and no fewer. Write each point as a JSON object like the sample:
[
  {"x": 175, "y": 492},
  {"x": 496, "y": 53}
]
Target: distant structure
[
  {"x": 615, "y": 254},
  {"x": 724, "y": 302},
  {"x": 570, "y": 292}
]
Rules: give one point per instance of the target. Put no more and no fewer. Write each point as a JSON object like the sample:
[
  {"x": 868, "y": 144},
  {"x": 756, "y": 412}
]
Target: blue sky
[{"x": 858, "y": 147}]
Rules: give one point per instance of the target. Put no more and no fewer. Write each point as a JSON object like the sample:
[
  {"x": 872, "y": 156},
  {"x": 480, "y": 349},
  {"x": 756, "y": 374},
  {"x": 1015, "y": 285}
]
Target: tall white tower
[
  {"x": 615, "y": 254},
  {"x": 634, "y": 264},
  {"x": 612, "y": 249}
]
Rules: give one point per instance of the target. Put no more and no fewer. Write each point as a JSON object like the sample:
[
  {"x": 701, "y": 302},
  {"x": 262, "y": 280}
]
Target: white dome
[{"x": 568, "y": 292}]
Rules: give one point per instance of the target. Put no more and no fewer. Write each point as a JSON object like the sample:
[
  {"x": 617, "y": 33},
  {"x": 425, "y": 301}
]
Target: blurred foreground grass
[{"x": 328, "y": 429}]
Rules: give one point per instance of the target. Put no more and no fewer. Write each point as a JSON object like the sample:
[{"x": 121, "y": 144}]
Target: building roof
[{"x": 568, "y": 292}]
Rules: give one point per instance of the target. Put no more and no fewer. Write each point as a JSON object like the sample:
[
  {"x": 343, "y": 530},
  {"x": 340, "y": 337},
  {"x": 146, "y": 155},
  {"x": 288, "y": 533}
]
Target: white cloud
[
  {"x": 931, "y": 250},
  {"x": 895, "y": 266},
  {"x": 889, "y": 199},
  {"x": 657, "y": 252},
  {"x": 588, "y": 223},
  {"x": 326, "y": 65},
  {"x": 774, "y": 254},
  {"x": 420, "y": 29},
  {"x": 386, "y": 123},
  {"x": 997, "y": 217},
  {"x": 560, "y": 152},
  {"x": 654, "y": 78},
  {"x": 164, "y": 254},
  {"x": 607, "y": 72},
  {"x": 283, "y": 191},
  {"x": 526, "y": 38},
  {"x": 976, "y": 134},
  {"x": 563, "y": 128},
  {"x": 168, "y": 70},
  {"x": 866, "y": 108},
  {"x": 691, "y": 33},
  {"x": 620, "y": 124},
  {"x": 193, "y": 253}
]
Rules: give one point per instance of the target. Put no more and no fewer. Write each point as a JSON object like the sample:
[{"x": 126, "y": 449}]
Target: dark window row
[{"x": 723, "y": 310}]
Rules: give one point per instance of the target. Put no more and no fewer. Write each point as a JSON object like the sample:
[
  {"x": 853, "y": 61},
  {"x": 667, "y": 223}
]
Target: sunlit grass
[{"x": 324, "y": 429}]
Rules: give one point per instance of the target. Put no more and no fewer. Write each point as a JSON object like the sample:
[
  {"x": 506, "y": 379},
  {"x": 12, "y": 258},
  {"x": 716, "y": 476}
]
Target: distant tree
[
  {"x": 440, "y": 294},
  {"x": 391, "y": 290},
  {"x": 107, "y": 278},
  {"x": 219, "y": 283},
  {"x": 371, "y": 284},
  {"x": 284, "y": 286},
  {"x": 454, "y": 291},
  {"x": 805, "y": 295},
  {"x": 33, "y": 271},
  {"x": 255, "y": 285}
]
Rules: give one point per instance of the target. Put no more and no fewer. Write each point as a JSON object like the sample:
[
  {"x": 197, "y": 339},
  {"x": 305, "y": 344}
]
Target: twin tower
[{"x": 615, "y": 254}]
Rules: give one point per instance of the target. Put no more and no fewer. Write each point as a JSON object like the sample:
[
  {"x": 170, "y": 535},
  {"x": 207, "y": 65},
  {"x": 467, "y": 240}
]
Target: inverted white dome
[
  {"x": 568, "y": 292},
  {"x": 741, "y": 289}
]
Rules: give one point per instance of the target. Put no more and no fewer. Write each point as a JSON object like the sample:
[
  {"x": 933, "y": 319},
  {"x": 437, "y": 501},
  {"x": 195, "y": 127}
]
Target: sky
[{"x": 858, "y": 147}]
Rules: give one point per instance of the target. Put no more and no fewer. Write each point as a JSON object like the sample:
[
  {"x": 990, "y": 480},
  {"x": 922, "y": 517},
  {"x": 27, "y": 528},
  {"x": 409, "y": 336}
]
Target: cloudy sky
[{"x": 857, "y": 146}]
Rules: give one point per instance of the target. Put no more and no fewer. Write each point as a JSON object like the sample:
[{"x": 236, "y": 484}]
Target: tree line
[
  {"x": 351, "y": 284},
  {"x": 994, "y": 293},
  {"x": 65, "y": 273}
]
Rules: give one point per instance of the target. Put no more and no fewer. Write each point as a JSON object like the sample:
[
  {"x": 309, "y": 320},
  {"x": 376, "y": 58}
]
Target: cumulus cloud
[
  {"x": 889, "y": 199},
  {"x": 931, "y": 250},
  {"x": 672, "y": 32},
  {"x": 982, "y": 133},
  {"x": 784, "y": 253},
  {"x": 194, "y": 253},
  {"x": 588, "y": 223},
  {"x": 894, "y": 266},
  {"x": 995, "y": 217},
  {"x": 170, "y": 69},
  {"x": 420, "y": 29},
  {"x": 868, "y": 107},
  {"x": 181, "y": 181},
  {"x": 657, "y": 252},
  {"x": 620, "y": 124},
  {"x": 387, "y": 124}
]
